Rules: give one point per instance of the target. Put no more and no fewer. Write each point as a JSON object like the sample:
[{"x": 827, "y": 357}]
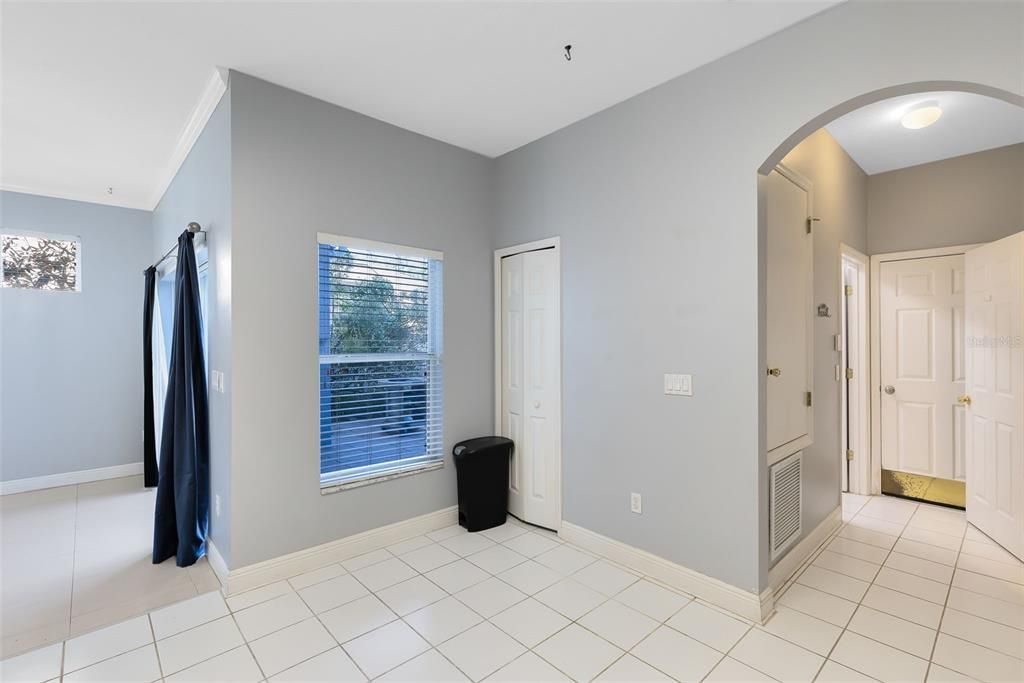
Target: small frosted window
[{"x": 38, "y": 262}]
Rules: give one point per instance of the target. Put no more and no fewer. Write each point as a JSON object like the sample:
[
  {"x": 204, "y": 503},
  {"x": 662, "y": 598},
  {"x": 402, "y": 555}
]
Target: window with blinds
[{"x": 380, "y": 360}]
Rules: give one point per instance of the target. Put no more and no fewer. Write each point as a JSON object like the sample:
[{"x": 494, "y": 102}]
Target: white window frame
[
  {"x": 47, "y": 236},
  {"x": 371, "y": 474}
]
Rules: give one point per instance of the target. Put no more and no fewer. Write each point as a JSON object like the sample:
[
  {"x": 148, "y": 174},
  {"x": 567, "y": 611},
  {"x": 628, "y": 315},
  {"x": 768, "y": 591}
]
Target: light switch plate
[{"x": 679, "y": 385}]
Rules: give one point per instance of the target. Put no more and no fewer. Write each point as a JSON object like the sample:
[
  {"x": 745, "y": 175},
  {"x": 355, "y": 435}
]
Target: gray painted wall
[
  {"x": 656, "y": 203},
  {"x": 201, "y": 192},
  {"x": 302, "y": 166},
  {"x": 71, "y": 362},
  {"x": 969, "y": 199},
  {"x": 839, "y": 194}
]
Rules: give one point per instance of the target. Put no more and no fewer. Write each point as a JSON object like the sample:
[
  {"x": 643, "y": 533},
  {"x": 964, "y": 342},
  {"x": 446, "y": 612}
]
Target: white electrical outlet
[
  {"x": 217, "y": 381},
  {"x": 216, "y": 505},
  {"x": 636, "y": 503}
]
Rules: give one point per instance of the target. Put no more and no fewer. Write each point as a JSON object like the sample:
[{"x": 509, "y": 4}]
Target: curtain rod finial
[{"x": 193, "y": 227}]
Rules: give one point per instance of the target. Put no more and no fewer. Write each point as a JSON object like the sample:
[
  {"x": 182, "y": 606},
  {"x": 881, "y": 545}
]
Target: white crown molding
[
  {"x": 285, "y": 566},
  {"x": 50, "y": 481},
  {"x": 208, "y": 101},
  {"x": 90, "y": 198},
  {"x": 736, "y": 600}
]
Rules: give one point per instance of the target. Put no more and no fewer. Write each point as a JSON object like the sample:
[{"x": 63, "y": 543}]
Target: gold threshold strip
[{"x": 924, "y": 488}]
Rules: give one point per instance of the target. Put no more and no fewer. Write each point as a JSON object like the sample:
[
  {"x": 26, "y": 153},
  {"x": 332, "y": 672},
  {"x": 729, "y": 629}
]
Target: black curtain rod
[{"x": 191, "y": 227}]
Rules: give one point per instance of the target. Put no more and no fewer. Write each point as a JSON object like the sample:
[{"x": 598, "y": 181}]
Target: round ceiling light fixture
[{"x": 921, "y": 116}]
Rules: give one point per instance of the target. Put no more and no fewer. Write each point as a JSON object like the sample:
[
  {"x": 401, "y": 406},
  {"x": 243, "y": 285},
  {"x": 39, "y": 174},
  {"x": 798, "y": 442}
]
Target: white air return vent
[{"x": 786, "y": 502}]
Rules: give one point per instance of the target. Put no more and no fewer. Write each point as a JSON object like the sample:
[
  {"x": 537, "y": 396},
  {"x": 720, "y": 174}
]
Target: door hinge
[
  {"x": 849, "y": 455},
  {"x": 849, "y": 373},
  {"x": 849, "y": 290},
  {"x": 811, "y": 220},
  {"x": 808, "y": 399}
]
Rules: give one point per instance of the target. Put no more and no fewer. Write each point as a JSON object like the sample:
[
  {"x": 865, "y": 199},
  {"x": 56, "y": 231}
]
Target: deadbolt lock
[{"x": 774, "y": 372}]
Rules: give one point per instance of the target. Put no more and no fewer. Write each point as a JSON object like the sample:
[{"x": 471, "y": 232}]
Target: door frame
[
  {"x": 554, "y": 243},
  {"x": 876, "y": 344},
  {"x": 861, "y": 376}
]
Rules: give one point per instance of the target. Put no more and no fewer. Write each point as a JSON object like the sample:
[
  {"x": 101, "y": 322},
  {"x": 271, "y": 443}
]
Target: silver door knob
[
  {"x": 536, "y": 404},
  {"x": 890, "y": 389}
]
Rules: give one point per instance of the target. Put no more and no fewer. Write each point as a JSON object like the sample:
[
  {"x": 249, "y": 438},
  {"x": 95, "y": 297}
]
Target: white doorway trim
[
  {"x": 876, "y": 344},
  {"x": 855, "y": 423},
  {"x": 547, "y": 243}
]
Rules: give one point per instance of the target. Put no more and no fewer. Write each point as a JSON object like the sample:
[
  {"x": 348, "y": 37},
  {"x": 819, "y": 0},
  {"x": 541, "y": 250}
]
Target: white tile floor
[
  {"x": 903, "y": 592},
  {"x": 77, "y": 558}
]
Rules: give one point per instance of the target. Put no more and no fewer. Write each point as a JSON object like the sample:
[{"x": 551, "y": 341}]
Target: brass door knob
[
  {"x": 964, "y": 400},
  {"x": 774, "y": 372}
]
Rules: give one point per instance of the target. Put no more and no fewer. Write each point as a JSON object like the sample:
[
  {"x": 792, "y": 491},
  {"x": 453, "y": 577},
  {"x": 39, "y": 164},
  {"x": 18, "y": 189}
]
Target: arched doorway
[{"x": 821, "y": 466}]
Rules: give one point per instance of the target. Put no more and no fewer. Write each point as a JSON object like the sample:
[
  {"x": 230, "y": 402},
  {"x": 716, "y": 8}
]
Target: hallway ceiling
[
  {"x": 873, "y": 136},
  {"x": 97, "y": 94}
]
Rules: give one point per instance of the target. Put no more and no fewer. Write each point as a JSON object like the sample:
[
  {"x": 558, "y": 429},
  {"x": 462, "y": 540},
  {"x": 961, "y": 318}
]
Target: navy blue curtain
[
  {"x": 183, "y": 494},
  {"x": 149, "y": 420}
]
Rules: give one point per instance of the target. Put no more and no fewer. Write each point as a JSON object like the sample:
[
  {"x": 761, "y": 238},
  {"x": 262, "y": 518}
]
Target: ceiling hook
[{"x": 568, "y": 53}]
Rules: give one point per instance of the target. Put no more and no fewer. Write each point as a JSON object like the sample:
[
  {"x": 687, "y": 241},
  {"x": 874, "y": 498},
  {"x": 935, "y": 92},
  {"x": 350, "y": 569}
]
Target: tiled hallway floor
[
  {"x": 76, "y": 558},
  {"x": 902, "y": 593}
]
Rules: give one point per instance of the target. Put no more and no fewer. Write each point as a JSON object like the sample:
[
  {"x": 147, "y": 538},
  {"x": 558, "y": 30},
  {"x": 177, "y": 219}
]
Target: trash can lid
[{"x": 479, "y": 444}]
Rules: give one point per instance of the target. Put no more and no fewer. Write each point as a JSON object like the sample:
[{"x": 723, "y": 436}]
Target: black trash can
[{"x": 481, "y": 467}]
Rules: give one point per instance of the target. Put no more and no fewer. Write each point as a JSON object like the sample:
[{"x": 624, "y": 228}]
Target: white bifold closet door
[{"x": 531, "y": 384}]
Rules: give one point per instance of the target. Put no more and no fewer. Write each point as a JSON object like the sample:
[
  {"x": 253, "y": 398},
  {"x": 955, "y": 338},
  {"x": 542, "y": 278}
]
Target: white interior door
[
  {"x": 788, "y": 303},
  {"x": 531, "y": 384},
  {"x": 922, "y": 366},
  {"x": 995, "y": 391}
]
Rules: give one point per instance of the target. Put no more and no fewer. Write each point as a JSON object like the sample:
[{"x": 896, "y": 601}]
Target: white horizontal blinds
[{"x": 380, "y": 360}]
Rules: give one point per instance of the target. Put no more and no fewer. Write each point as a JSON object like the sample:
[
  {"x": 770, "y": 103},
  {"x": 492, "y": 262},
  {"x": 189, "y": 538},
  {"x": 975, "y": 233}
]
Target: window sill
[{"x": 329, "y": 488}]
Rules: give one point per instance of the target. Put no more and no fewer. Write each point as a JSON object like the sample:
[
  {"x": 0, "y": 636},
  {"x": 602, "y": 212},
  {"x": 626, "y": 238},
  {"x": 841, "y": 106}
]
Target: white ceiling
[
  {"x": 876, "y": 140},
  {"x": 97, "y": 94}
]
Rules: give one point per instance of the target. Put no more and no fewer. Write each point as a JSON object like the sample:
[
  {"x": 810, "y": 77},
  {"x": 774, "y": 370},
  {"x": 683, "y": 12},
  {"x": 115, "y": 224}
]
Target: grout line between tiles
[
  {"x": 152, "y": 633},
  {"x": 74, "y": 563},
  {"x": 605, "y": 599}
]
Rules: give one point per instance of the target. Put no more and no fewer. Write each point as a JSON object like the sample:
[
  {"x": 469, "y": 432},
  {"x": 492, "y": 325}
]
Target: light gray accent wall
[
  {"x": 969, "y": 199},
  {"x": 201, "y": 192},
  {"x": 302, "y": 166},
  {"x": 71, "y": 362},
  {"x": 839, "y": 195},
  {"x": 655, "y": 200}
]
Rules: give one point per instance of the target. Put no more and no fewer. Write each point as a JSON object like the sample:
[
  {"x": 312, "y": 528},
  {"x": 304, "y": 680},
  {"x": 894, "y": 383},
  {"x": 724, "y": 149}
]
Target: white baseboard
[
  {"x": 275, "y": 569},
  {"x": 799, "y": 553},
  {"x": 744, "y": 603},
  {"x": 217, "y": 563},
  {"x": 50, "y": 481}
]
